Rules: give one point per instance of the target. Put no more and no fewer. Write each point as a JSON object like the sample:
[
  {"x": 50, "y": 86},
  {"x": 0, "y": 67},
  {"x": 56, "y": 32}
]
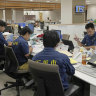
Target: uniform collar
[
  {"x": 49, "y": 48},
  {"x": 22, "y": 37}
]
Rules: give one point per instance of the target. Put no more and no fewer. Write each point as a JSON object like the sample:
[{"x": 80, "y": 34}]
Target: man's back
[
  {"x": 50, "y": 56},
  {"x": 2, "y": 42},
  {"x": 20, "y": 47}
]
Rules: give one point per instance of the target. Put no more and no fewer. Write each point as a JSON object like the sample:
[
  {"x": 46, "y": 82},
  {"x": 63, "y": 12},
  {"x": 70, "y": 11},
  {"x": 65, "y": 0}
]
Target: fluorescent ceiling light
[{"x": 31, "y": 0}]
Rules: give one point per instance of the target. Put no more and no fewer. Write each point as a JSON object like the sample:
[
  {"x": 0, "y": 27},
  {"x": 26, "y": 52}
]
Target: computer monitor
[
  {"x": 22, "y": 25},
  {"x": 59, "y": 33},
  {"x": 31, "y": 26},
  {"x": 70, "y": 43}
]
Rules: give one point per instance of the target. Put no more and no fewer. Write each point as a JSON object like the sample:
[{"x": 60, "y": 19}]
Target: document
[
  {"x": 65, "y": 52},
  {"x": 73, "y": 61}
]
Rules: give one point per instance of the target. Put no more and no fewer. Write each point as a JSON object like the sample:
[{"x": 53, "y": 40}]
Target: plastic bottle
[{"x": 83, "y": 58}]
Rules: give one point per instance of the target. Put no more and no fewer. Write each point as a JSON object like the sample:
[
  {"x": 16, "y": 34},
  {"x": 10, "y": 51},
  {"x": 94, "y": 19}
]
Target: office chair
[
  {"x": 2, "y": 62},
  {"x": 48, "y": 81},
  {"x": 85, "y": 33},
  {"x": 11, "y": 69},
  {"x": 65, "y": 36},
  {"x": 2, "y": 58},
  {"x": 8, "y": 29},
  {"x": 69, "y": 43}
]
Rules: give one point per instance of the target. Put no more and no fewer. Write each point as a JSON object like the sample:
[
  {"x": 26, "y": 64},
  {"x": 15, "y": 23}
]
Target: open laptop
[{"x": 92, "y": 61}]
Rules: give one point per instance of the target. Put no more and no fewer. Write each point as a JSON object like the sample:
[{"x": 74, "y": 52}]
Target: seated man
[
  {"x": 50, "y": 56},
  {"x": 2, "y": 39},
  {"x": 2, "y": 43},
  {"x": 89, "y": 40},
  {"x": 21, "y": 48}
]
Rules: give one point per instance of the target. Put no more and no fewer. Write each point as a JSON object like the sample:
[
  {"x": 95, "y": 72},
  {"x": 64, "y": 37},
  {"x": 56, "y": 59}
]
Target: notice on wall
[{"x": 41, "y": 16}]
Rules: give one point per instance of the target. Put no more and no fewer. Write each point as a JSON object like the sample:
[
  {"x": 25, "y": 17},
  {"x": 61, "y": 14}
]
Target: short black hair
[
  {"x": 89, "y": 25},
  {"x": 25, "y": 30},
  {"x": 50, "y": 38},
  {"x": 2, "y": 23}
]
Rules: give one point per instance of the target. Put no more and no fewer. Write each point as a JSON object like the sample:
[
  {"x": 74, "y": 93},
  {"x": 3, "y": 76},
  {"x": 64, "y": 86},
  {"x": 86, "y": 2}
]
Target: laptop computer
[{"x": 92, "y": 61}]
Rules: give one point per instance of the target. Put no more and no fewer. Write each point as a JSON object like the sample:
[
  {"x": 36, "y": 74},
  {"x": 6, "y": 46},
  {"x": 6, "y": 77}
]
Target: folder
[{"x": 73, "y": 61}]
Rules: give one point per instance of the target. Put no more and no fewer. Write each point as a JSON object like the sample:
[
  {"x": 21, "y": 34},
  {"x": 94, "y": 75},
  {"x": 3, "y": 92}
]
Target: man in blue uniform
[
  {"x": 89, "y": 40},
  {"x": 2, "y": 39},
  {"x": 21, "y": 48},
  {"x": 50, "y": 56}
]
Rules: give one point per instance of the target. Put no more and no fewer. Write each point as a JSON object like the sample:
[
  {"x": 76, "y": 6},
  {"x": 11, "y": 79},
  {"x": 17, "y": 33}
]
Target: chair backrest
[
  {"x": 11, "y": 62},
  {"x": 65, "y": 36},
  {"x": 69, "y": 43},
  {"x": 47, "y": 78},
  {"x": 85, "y": 33}
]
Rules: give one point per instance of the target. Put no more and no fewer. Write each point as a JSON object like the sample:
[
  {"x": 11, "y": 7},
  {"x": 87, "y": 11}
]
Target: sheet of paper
[
  {"x": 73, "y": 61},
  {"x": 88, "y": 58},
  {"x": 95, "y": 62},
  {"x": 65, "y": 52}
]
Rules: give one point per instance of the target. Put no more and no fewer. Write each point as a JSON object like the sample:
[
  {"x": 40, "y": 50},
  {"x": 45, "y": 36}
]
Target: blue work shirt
[
  {"x": 50, "y": 56},
  {"x": 2, "y": 42},
  {"x": 21, "y": 48},
  {"x": 89, "y": 40}
]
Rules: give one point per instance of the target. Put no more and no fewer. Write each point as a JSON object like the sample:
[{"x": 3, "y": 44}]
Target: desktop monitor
[
  {"x": 69, "y": 43},
  {"x": 31, "y": 26},
  {"x": 59, "y": 33},
  {"x": 22, "y": 25}
]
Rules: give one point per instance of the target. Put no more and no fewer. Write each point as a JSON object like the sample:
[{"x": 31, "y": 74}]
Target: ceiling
[
  {"x": 35, "y": 4},
  {"x": 48, "y": 1},
  {"x": 31, "y": 4}
]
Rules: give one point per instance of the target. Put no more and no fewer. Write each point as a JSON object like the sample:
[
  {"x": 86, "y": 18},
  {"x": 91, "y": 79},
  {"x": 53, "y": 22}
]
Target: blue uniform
[
  {"x": 50, "y": 56},
  {"x": 89, "y": 40},
  {"x": 21, "y": 48},
  {"x": 2, "y": 42}
]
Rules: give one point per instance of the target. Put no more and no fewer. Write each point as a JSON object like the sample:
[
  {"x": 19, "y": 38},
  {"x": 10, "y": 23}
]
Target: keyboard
[{"x": 87, "y": 70}]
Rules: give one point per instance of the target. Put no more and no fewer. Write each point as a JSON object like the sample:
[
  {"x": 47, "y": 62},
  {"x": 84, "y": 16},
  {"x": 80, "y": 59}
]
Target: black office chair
[
  {"x": 48, "y": 80},
  {"x": 8, "y": 29},
  {"x": 11, "y": 69},
  {"x": 2, "y": 62},
  {"x": 2, "y": 58},
  {"x": 69, "y": 43}
]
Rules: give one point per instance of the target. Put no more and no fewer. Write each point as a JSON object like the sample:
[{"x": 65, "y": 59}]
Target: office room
[{"x": 47, "y": 48}]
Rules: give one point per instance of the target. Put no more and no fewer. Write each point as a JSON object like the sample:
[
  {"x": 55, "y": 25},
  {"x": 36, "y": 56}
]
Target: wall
[
  {"x": 53, "y": 15},
  {"x": 18, "y": 16},
  {"x": 66, "y": 11},
  {"x": 78, "y": 17},
  {"x": 72, "y": 30},
  {"x": 91, "y": 12},
  {"x": 8, "y": 15},
  {"x": 1, "y": 14}
]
